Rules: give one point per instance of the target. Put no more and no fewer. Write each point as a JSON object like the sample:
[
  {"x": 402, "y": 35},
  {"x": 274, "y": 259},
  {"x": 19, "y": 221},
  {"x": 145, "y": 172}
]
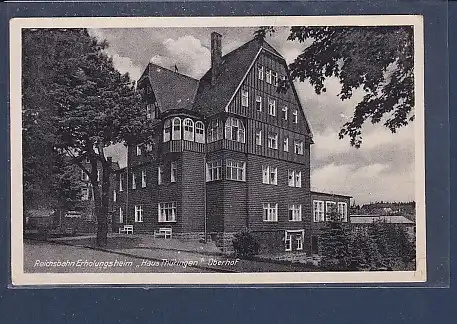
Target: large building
[{"x": 230, "y": 152}]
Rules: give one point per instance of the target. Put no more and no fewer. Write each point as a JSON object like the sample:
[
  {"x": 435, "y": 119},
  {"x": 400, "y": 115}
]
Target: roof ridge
[{"x": 170, "y": 70}]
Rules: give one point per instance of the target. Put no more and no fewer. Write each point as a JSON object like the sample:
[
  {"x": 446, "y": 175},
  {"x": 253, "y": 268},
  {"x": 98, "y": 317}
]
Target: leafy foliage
[
  {"x": 87, "y": 104},
  {"x": 245, "y": 244},
  {"x": 379, "y": 60}
]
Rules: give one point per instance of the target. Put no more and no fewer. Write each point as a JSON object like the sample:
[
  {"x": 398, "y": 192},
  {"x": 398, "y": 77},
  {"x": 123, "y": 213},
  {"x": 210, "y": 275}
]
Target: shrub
[{"x": 245, "y": 244}]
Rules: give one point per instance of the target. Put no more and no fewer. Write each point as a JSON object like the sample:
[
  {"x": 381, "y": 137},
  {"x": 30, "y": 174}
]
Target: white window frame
[
  {"x": 286, "y": 144},
  {"x": 275, "y": 78},
  {"x": 234, "y": 126},
  {"x": 258, "y": 103},
  {"x": 299, "y": 240},
  {"x": 343, "y": 211},
  {"x": 295, "y": 113},
  {"x": 258, "y": 137},
  {"x": 271, "y": 106},
  {"x": 159, "y": 175},
  {"x": 291, "y": 178},
  {"x": 295, "y": 213},
  {"x": 199, "y": 132},
  {"x": 215, "y": 131},
  {"x": 268, "y": 76},
  {"x": 318, "y": 211},
  {"x": 114, "y": 195},
  {"x": 298, "y": 147},
  {"x": 188, "y": 125},
  {"x": 285, "y": 111},
  {"x": 270, "y": 212},
  {"x": 273, "y": 141},
  {"x": 138, "y": 213},
  {"x": 148, "y": 111},
  {"x": 244, "y": 98},
  {"x": 269, "y": 175},
  {"x": 298, "y": 179},
  {"x": 121, "y": 215},
  {"x": 235, "y": 170},
  {"x": 84, "y": 194},
  {"x": 166, "y": 130},
  {"x": 133, "y": 180},
  {"x": 327, "y": 208},
  {"x": 261, "y": 72},
  {"x": 173, "y": 171},
  {"x": 138, "y": 150},
  {"x": 143, "y": 179},
  {"x": 176, "y": 129},
  {"x": 166, "y": 212},
  {"x": 121, "y": 183},
  {"x": 213, "y": 170},
  {"x": 288, "y": 241}
]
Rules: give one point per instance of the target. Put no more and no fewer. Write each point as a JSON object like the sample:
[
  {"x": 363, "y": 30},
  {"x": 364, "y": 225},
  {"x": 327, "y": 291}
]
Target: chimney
[{"x": 216, "y": 55}]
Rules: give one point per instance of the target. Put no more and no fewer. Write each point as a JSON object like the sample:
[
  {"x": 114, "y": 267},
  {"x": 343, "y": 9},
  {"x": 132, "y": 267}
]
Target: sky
[{"x": 382, "y": 169}]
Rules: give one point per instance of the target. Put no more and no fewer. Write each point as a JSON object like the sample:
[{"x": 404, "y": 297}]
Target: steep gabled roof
[
  {"x": 171, "y": 89},
  {"x": 235, "y": 65}
]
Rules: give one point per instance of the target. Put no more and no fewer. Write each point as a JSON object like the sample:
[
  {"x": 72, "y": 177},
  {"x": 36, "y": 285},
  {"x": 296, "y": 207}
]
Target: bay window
[
  {"x": 235, "y": 170},
  {"x": 199, "y": 132},
  {"x": 176, "y": 134},
  {"x": 234, "y": 130},
  {"x": 188, "y": 129},
  {"x": 213, "y": 170},
  {"x": 166, "y": 130},
  {"x": 214, "y": 131}
]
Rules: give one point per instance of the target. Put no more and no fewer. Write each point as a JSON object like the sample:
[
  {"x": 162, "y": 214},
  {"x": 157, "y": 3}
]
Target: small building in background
[{"x": 361, "y": 222}]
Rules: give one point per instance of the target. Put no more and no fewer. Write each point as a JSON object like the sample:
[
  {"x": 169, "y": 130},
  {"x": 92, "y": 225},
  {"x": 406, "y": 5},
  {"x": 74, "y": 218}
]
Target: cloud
[
  {"x": 125, "y": 65},
  {"x": 188, "y": 53}
]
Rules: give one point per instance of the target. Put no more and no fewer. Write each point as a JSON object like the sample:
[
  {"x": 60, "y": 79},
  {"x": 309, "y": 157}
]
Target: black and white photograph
[{"x": 224, "y": 150}]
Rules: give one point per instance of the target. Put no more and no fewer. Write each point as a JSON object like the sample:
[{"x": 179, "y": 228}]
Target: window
[
  {"x": 173, "y": 171},
  {"x": 286, "y": 144},
  {"x": 295, "y": 113},
  {"x": 176, "y": 135},
  {"x": 143, "y": 179},
  {"x": 273, "y": 141},
  {"x": 272, "y": 106},
  {"x": 166, "y": 130},
  {"x": 138, "y": 214},
  {"x": 235, "y": 170},
  {"x": 299, "y": 239},
  {"x": 270, "y": 212},
  {"x": 244, "y": 98},
  {"x": 150, "y": 111},
  {"x": 188, "y": 129},
  {"x": 269, "y": 175},
  {"x": 329, "y": 205},
  {"x": 121, "y": 215},
  {"x": 159, "y": 175},
  {"x": 138, "y": 150},
  {"x": 85, "y": 194},
  {"x": 260, "y": 72},
  {"x": 295, "y": 213},
  {"x": 343, "y": 211},
  {"x": 133, "y": 181},
  {"x": 167, "y": 212},
  {"x": 298, "y": 147},
  {"x": 84, "y": 176},
  {"x": 291, "y": 178},
  {"x": 298, "y": 179},
  {"x": 285, "y": 110},
  {"x": 214, "y": 170},
  {"x": 288, "y": 242},
  {"x": 275, "y": 78},
  {"x": 268, "y": 76},
  {"x": 258, "y": 103},
  {"x": 98, "y": 175},
  {"x": 234, "y": 130},
  {"x": 121, "y": 183},
  {"x": 214, "y": 131},
  {"x": 114, "y": 195},
  {"x": 258, "y": 137},
  {"x": 318, "y": 211},
  {"x": 199, "y": 132}
]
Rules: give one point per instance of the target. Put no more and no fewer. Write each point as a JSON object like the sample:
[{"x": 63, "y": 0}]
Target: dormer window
[
  {"x": 176, "y": 134},
  {"x": 244, "y": 98},
  {"x": 199, "y": 132},
  {"x": 188, "y": 129},
  {"x": 166, "y": 130},
  {"x": 234, "y": 130}
]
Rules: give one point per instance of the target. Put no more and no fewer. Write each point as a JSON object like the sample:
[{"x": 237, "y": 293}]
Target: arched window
[
  {"x": 166, "y": 130},
  {"x": 199, "y": 132},
  {"x": 188, "y": 129},
  {"x": 176, "y": 135},
  {"x": 214, "y": 131},
  {"x": 234, "y": 130}
]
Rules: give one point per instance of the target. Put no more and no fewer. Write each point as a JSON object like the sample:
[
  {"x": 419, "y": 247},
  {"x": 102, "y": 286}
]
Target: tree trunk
[{"x": 102, "y": 218}]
